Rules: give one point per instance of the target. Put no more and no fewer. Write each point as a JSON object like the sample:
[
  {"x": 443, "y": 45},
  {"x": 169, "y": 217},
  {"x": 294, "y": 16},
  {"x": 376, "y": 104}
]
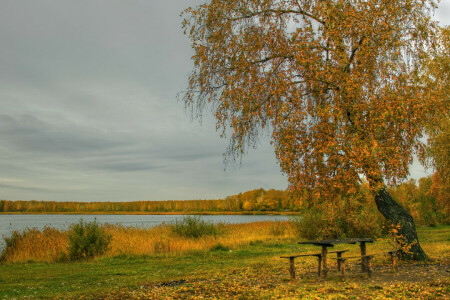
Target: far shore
[{"x": 285, "y": 213}]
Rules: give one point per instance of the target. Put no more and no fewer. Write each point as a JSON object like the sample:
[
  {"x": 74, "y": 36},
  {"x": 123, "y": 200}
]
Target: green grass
[
  {"x": 254, "y": 272},
  {"x": 74, "y": 278}
]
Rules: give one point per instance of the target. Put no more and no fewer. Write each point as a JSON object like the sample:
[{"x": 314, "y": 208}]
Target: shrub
[
  {"x": 310, "y": 225},
  {"x": 342, "y": 217},
  {"x": 219, "y": 247},
  {"x": 87, "y": 240},
  {"x": 194, "y": 227}
]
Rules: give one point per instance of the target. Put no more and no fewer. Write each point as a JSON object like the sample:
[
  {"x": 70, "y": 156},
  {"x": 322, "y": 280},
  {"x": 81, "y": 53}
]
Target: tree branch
[
  {"x": 352, "y": 56},
  {"x": 280, "y": 12}
]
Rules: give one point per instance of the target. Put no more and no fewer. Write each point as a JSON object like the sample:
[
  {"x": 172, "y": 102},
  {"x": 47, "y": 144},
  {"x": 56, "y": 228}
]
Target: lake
[{"x": 8, "y": 223}]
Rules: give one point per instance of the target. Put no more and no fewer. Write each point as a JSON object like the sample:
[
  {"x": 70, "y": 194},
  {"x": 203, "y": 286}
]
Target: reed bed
[
  {"x": 44, "y": 245},
  {"x": 50, "y": 245}
]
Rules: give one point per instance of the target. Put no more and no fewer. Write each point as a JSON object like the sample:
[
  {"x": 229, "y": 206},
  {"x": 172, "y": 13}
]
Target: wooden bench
[
  {"x": 366, "y": 260},
  {"x": 319, "y": 258}
]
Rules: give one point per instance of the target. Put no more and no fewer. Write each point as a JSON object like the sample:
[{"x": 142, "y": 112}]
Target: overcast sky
[{"x": 89, "y": 109}]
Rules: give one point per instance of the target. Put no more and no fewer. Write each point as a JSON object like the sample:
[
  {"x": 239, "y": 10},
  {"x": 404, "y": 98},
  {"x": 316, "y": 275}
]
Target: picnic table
[{"x": 325, "y": 244}]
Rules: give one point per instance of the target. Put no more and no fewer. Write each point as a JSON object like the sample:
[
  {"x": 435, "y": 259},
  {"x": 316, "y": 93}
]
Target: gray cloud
[
  {"x": 443, "y": 13},
  {"x": 29, "y": 134},
  {"x": 89, "y": 110}
]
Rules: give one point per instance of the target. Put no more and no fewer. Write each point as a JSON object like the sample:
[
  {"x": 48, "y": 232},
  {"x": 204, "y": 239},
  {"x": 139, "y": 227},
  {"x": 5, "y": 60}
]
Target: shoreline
[{"x": 250, "y": 213}]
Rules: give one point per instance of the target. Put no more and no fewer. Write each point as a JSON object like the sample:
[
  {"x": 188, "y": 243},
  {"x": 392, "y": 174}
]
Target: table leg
[
  {"x": 324, "y": 261},
  {"x": 362, "y": 245}
]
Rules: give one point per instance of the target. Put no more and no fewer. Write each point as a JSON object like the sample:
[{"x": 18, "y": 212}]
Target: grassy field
[{"x": 250, "y": 270}]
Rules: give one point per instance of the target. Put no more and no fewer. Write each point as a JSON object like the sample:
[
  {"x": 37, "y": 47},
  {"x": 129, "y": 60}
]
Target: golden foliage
[{"x": 338, "y": 83}]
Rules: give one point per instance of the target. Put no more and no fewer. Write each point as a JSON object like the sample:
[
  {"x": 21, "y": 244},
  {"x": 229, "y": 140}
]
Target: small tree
[
  {"x": 337, "y": 82},
  {"x": 87, "y": 240}
]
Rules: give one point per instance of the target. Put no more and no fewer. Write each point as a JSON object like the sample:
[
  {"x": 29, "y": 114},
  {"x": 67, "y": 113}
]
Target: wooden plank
[
  {"x": 338, "y": 251},
  {"x": 299, "y": 255},
  {"x": 353, "y": 257},
  {"x": 329, "y": 243}
]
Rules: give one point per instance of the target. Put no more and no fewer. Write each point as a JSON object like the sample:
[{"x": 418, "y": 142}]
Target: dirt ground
[
  {"x": 272, "y": 281},
  {"x": 385, "y": 274}
]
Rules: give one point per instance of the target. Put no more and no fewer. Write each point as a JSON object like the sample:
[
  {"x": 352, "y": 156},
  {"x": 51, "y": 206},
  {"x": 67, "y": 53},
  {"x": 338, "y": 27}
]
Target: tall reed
[{"x": 50, "y": 245}]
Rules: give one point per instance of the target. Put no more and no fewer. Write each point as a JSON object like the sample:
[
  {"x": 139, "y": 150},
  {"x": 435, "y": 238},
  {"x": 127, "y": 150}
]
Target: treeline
[
  {"x": 255, "y": 200},
  {"x": 427, "y": 200}
]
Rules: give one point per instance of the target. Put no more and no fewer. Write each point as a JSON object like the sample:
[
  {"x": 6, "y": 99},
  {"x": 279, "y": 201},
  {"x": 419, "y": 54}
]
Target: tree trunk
[{"x": 398, "y": 216}]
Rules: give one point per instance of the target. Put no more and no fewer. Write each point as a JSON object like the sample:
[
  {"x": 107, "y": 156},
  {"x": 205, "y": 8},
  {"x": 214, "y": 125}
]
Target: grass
[
  {"x": 252, "y": 270},
  {"x": 106, "y": 274}
]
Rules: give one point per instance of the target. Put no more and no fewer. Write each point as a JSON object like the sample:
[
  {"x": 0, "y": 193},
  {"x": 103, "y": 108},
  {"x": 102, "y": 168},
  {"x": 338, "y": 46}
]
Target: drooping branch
[
  {"x": 353, "y": 53},
  {"x": 279, "y": 12}
]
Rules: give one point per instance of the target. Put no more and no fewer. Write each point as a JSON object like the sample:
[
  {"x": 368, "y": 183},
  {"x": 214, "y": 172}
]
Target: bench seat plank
[{"x": 298, "y": 255}]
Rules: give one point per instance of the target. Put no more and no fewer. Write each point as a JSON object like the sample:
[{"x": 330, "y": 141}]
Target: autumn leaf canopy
[{"x": 336, "y": 83}]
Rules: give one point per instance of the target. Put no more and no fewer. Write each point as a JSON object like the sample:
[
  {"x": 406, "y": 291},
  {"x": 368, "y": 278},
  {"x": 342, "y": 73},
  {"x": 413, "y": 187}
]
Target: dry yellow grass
[
  {"x": 32, "y": 244},
  {"x": 51, "y": 244}
]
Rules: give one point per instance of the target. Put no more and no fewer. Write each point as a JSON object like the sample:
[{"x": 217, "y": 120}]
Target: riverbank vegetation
[
  {"x": 249, "y": 269},
  {"x": 52, "y": 245}
]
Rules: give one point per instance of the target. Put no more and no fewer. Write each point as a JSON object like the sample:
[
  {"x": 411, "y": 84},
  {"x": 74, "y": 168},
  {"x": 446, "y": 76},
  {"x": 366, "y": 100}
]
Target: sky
[{"x": 89, "y": 108}]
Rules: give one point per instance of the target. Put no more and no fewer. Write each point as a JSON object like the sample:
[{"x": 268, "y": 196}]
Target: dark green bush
[
  {"x": 194, "y": 227},
  {"x": 86, "y": 240},
  {"x": 219, "y": 247}
]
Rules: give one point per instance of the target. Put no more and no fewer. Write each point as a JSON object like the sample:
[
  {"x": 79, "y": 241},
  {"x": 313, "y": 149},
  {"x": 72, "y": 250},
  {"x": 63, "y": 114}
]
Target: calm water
[{"x": 8, "y": 223}]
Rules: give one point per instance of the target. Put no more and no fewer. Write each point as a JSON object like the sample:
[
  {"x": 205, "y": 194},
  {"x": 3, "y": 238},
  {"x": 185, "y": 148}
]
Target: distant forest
[
  {"x": 427, "y": 200},
  {"x": 255, "y": 200}
]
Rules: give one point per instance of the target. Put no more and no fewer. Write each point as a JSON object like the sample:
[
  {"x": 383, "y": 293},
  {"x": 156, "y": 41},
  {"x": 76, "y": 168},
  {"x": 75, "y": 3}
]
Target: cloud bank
[{"x": 89, "y": 111}]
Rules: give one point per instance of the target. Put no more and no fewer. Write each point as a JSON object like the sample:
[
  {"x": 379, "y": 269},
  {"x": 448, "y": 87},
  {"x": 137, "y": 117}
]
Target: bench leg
[
  {"x": 394, "y": 262},
  {"x": 319, "y": 269},
  {"x": 292, "y": 267},
  {"x": 341, "y": 263},
  {"x": 369, "y": 266}
]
